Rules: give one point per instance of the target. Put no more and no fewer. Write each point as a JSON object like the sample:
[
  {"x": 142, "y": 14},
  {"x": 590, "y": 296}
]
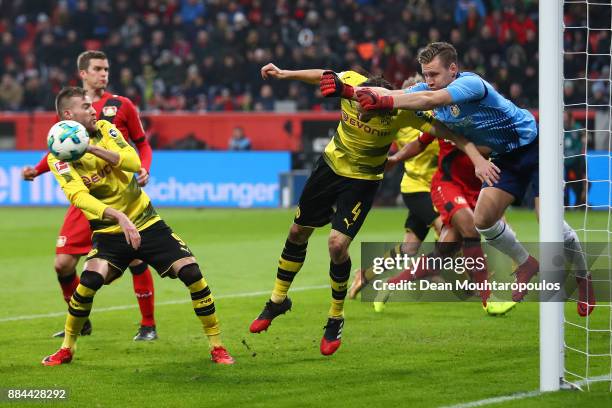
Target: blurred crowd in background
[{"x": 194, "y": 55}]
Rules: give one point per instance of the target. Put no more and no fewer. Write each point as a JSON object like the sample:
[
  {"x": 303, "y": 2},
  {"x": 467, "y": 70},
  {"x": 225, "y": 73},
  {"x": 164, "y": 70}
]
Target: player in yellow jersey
[
  {"x": 341, "y": 190},
  {"x": 124, "y": 223},
  {"x": 415, "y": 188}
]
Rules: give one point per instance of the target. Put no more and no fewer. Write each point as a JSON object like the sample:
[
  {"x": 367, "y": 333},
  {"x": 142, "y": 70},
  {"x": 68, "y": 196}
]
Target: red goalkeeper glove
[
  {"x": 332, "y": 86},
  {"x": 370, "y": 100}
]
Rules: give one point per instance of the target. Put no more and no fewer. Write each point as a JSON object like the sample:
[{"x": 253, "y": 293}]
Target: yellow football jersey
[
  {"x": 359, "y": 149},
  {"x": 92, "y": 184},
  {"x": 419, "y": 170}
]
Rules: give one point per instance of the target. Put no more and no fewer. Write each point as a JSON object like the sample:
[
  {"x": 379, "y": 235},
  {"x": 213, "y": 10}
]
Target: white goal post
[
  {"x": 551, "y": 182},
  {"x": 576, "y": 351}
]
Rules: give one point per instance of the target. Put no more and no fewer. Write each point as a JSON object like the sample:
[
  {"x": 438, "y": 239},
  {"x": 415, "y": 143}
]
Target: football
[{"x": 67, "y": 140}]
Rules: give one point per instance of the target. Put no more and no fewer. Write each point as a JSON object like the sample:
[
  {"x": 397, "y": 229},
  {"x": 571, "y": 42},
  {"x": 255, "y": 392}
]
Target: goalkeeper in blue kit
[{"x": 470, "y": 106}]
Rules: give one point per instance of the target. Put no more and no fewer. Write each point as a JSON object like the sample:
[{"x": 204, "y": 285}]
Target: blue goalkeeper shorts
[{"x": 519, "y": 168}]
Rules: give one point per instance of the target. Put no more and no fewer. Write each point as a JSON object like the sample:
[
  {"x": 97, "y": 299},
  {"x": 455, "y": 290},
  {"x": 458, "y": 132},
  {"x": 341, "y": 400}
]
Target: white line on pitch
[
  {"x": 169, "y": 302},
  {"x": 515, "y": 397}
]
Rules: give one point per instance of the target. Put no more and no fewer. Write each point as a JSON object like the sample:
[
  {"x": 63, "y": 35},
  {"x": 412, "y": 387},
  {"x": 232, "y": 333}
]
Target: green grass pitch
[{"x": 417, "y": 354}]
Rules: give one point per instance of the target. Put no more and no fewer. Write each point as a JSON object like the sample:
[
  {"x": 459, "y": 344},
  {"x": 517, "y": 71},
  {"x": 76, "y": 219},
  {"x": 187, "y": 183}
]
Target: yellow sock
[
  {"x": 204, "y": 307},
  {"x": 336, "y": 310},
  {"x": 79, "y": 308},
  {"x": 279, "y": 293},
  {"x": 289, "y": 264},
  {"x": 339, "y": 276}
]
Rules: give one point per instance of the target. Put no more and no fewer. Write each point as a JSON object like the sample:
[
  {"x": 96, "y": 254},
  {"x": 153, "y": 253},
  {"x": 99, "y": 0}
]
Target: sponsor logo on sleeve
[{"x": 62, "y": 168}]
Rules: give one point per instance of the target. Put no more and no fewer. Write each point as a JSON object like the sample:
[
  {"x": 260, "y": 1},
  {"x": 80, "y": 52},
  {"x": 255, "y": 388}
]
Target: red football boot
[
  {"x": 62, "y": 356},
  {"x": 523, "y": 274},
  {"x": 480, "y": 277},
  {"x": 220, "y": 355},
  {"x": 270, "y": 311},
  {"x": 586, "y": 296},
  {"x": 330, "y": 342}
]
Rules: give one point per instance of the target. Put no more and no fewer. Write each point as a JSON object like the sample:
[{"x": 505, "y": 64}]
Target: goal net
[{"x": 586, "y": 342}]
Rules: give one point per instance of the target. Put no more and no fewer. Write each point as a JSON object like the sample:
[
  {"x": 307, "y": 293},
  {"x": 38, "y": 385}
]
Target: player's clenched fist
[
  {"x": 270, "y": 71},
  {"x": 332, "y": 86},
  {"x": 29, "y": 173},
  {"x": 370, "y": 100}
]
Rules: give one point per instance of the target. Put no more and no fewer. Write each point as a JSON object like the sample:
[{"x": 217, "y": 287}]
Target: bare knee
[
  {"x": 338, "y": 248},
  {"x": 484, "y": 220},
  {"x": 490, "y": 207},
  {"x": 299, "y": 235},
  {"x": 65, "y": 264}
]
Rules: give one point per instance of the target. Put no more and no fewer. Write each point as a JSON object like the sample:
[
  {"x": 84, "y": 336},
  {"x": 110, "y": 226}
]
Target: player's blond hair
[
  {"x": 86, "y": 56},
  {"x": 445, "y": 51}
]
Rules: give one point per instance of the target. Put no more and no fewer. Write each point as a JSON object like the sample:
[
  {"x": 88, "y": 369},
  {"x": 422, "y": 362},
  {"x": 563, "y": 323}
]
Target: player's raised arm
[{"x": 310, "y": 76}]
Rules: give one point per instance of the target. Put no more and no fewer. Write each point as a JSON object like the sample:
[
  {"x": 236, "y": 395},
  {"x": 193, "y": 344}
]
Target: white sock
[
  {"x": 573, "y": 250},
  {"x": 501, "y": 237}
]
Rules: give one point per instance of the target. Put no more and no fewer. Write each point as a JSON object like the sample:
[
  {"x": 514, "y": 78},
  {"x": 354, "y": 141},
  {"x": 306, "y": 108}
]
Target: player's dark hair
[
  {"x": 373, "y": 80},
  {"x": 378, "y": 80},
  {"x": 86, "y": 56},
  {"x": 445, "y": 51},
  {"x": 64, "y": 95}
]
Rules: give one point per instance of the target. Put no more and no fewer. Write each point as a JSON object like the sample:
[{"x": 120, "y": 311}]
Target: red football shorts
[
  {"x": 75, "y": 236},
  {"x": 450, "y": 196}
]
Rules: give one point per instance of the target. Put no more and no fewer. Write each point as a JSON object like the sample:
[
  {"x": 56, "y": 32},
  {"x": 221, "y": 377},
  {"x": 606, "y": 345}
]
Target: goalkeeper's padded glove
[
  {"x": 370, "y": 100},
  {"x": 332, "y": 86}
]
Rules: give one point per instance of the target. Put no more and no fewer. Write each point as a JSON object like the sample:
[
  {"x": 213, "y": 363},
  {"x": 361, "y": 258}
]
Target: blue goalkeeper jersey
[{"x": 483, "y": 115}]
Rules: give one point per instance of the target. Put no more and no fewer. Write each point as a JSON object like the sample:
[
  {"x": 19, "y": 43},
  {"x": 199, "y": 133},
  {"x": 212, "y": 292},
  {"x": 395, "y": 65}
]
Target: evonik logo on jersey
[
  {"x": 97, "y": 177},
  {"x": 363, "y": 126}
]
